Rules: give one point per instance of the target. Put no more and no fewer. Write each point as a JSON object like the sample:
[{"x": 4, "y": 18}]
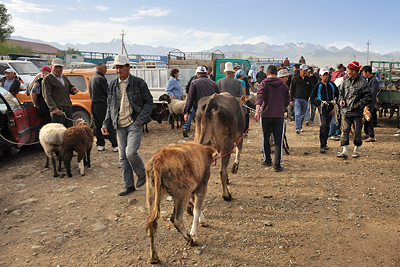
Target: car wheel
[{"x": 81, "y": 115}]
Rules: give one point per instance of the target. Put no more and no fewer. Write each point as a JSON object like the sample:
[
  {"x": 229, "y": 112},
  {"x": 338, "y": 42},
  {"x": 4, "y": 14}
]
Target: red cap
[
  {"x": 46, "y": 68},
  {"x": 354, "y": 66}
]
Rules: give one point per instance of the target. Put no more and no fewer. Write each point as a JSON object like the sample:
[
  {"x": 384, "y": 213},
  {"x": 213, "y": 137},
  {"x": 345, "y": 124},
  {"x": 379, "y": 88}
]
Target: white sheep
[
  {"x": 176, "y": 108},
  {"x": 51, "y": 137}
]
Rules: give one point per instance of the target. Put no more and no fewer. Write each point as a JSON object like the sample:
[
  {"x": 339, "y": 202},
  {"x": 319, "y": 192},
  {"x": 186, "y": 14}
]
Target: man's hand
[
  {"x": 366, "y": 108},
  {"x": 186, "y": 117},
  {"x": 291, "y": 103},
  {"x": 75, "y": 90},
  {"x": 342, "y": 103},
  {"x": 257, "y": 116},
  {"x": 104, "y": 131},
  {"x": 57, "y": 112}
]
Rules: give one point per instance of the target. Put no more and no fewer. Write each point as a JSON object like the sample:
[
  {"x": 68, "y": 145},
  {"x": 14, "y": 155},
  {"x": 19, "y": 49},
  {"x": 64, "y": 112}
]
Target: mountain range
[{"x": 313, "y": 53}]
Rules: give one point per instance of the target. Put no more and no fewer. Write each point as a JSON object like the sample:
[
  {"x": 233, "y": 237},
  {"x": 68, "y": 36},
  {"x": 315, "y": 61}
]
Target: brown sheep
[{"x": 78, "y": 138}]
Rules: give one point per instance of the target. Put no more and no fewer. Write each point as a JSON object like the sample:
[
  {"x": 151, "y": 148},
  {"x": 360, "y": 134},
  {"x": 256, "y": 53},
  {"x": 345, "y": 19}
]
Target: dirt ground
[{"x": 319, "y": 211}]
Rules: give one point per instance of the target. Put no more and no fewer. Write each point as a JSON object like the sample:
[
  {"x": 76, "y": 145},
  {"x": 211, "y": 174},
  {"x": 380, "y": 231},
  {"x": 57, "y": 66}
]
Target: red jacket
[{"x": 337, "y": 74}]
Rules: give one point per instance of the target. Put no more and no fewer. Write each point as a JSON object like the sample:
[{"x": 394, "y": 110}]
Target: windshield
[
  {"x": 25, "y": 67},
  {"x": 11, "y": 100}
]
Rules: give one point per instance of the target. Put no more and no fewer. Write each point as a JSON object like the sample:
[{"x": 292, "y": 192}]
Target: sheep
[
  {"x": 78, "y": 138},
  {"x": 51, "y": 137},
  {"x": 156, "y": 116},
  {"x": 176, "y": 108}
]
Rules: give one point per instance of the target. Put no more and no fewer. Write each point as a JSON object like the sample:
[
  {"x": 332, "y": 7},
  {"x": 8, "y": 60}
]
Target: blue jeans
[
  {"x": 128, "y": 143},
  {"x": 310, "y": 110},
  {"x": 334, "y": 129},
  {"x": 186, "y": 125},
  {"x": 300, "y": 108}
]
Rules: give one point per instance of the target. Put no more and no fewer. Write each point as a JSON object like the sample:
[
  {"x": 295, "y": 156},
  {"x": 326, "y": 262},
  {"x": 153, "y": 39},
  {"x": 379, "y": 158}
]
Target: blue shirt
[
  {"x": 7, "y": 84},
  {"x": 174, "y": 88}
]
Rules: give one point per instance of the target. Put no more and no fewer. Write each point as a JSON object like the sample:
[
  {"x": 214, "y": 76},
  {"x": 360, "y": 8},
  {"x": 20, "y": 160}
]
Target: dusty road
[{"x": 319, "y": 211}]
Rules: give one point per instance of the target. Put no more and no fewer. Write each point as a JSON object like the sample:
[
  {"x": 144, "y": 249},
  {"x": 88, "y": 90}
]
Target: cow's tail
[{"x": 154, "y": 213}]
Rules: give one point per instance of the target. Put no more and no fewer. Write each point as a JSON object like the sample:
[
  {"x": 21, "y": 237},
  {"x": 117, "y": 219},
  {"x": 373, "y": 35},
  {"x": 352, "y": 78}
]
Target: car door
[{"x": 19, "y": 119}]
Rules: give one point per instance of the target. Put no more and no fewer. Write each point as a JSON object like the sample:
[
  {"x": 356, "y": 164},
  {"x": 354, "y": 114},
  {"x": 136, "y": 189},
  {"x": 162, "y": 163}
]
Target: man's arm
[{"x": 147, "y": 100}]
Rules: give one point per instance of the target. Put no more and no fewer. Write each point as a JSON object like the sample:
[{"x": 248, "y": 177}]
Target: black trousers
[
  {"x": 325, "y": 119},
  {"x": 346, "y": 126},
  {"x": 67, "y": 122},
  {"x": 277, "y": 127},
  {"x": 99, "y": 113}
]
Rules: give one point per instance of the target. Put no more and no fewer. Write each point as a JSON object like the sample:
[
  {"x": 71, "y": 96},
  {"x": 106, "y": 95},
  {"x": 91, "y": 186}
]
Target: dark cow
[
  {"x": 220, "y": 122},
  {"x": 181, "y": 171}
]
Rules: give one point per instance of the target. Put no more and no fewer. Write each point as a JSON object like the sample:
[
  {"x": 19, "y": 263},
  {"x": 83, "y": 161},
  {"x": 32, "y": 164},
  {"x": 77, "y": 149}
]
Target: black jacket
[
  {"x": 374, "y": 85},
  {"x": 260, "y": 76},
  {"x": 300, "y": 88},
  {"x": 356, "y": 94},
  {"x": 98, "y": 88},
  {"x": 325, "y": 92},
  {"x": 200, "y": 87}
]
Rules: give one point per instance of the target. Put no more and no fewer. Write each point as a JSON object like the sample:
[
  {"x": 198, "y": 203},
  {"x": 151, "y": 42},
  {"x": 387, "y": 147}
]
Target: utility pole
[
  {"x": 368, "y": 43},
  {"x": 123, "y": 43}
]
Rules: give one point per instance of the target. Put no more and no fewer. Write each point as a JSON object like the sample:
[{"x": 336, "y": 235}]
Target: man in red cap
[{"x": 354, "y": 96}]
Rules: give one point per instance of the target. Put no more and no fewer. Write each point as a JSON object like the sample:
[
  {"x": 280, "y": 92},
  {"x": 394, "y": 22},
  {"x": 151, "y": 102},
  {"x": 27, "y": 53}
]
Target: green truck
[{"x": 388, "y": 74}]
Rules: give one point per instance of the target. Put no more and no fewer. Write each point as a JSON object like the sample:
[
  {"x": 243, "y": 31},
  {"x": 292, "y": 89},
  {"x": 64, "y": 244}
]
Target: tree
[{"x": 5, "y": 29}]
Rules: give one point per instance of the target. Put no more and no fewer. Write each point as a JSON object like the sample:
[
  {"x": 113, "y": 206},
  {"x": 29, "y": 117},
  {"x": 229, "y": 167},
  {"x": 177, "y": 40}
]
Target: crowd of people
[{"x": 120, "y": 109}]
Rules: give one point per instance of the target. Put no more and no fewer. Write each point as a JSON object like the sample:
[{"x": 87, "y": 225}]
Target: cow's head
[
  {"x": 206, "y": 115},
  {"x": 212, "y": 152}
]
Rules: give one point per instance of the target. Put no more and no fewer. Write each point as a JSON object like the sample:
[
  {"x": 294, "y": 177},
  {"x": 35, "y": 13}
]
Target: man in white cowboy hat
[
  {"x": 56, "y": 90},
  {"x": 129, "y": 105},
  {"x": 229, "y": 84}
]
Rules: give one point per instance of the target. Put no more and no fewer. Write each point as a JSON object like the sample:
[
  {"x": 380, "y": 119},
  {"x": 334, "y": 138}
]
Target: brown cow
[
  {"x": 220, "y": 122},
  {"x": 182, "y": 171}
]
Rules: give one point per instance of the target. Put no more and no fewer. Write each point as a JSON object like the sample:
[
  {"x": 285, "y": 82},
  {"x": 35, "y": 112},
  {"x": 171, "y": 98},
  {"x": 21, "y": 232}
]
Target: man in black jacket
[
  {"x": 11, "y": 82},
  {"x": 98, "y": 95},
  {"x": 261, "y": 75},
  {"x": 355, "y": 96},
  {"x": 324, "y": 97},
  {"x": 374, "y": 85}
]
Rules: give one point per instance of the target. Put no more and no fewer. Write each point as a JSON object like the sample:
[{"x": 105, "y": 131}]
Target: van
[
  {"x": 25, "y": 70},
  {"x": 81, "y": 104}
]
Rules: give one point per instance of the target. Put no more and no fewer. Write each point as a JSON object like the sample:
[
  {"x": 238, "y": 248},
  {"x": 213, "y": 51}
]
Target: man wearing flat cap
[
  {"x": 56, "y": 90},
  {"x": 10, "y": 82},
  {"x": 355, "y": 96}
]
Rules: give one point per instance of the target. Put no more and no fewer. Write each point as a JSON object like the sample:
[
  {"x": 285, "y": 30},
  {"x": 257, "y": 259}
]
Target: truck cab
[{"x": 219, "y": 68}]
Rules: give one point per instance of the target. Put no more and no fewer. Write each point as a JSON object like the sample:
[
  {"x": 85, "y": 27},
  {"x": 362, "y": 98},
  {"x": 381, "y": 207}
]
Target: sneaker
[
  {"x": 326, "y": 148},
  {"x": 302, "y": 130},
  {"x": 336, "y": 138},
  {"x": 185, "y": 133},
  {"x": 355, "y": 155},
  {"x": 370, "y": 139},
  {"x": 101, "y": 148},
  {"x": 141, "y": 182},
  {"x": 278, "y": 169},
  {"x": 307, "y": 123},
  {"x": 298, "y": 131},
  {"x": 126, "y": 191},
  {"x": 322, "y": 150},
  {"x": 115, "y": 149},
  {"x": 332, "y": 137},
  {"x": 267, "y": 163},
  {"x": 342, "y": 155}
]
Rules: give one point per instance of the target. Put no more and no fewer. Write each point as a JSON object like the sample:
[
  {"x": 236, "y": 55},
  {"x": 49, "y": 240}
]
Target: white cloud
[
  {"x": 26, "y": 7},
  {"x": 101, "y": 8},
  {"x": 258, "y": 39},
  {"x": 141, "y": 13}
]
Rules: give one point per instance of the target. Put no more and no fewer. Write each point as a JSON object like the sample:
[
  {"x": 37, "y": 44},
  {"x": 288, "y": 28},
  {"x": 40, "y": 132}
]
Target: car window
[
  {"x": 78, "y": 81},
  {"x": 3, "y": 67},
  {"x": 221, "y": 67},
  {"x": 11, "y": 100},
  {"x": 26, "y": 67},
  {"x": 110, "y": 77}
]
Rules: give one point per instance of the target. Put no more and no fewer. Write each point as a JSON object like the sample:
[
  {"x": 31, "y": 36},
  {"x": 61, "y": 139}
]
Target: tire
[{"x": 81, "y": 115}]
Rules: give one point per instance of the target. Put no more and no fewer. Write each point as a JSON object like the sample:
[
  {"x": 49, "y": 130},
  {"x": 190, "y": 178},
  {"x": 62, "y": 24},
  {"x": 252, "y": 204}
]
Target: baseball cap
[
  {"x": 45, "y": 68},
  {"x": 57, "y": 62},
  {"x": 304, "y": 67},
  {"x": 283, "y": 73},
  {"x": 9, "y": 70},
  {"x": 201, "y": 69},
  {"x": 323, "y": 71}
]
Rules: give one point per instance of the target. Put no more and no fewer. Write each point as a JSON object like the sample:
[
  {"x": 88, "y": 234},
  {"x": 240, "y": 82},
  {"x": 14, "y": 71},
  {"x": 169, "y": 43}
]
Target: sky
[{"x": 194, "y": 25}]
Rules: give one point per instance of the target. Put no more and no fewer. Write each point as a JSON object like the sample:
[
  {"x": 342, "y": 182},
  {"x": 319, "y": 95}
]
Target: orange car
[{"x": 81, "y": 101}]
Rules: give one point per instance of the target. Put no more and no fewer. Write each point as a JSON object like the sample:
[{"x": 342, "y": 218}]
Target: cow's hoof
[
  {"x": 204, "y": 224},
  {"x": 227, "y": 198},
  {"x": 190, "y": 241},
  {"x": 56, "y": 175},
  {"x": 154, "y": 260},
  {"x": 235, "y": 168},
  {"x": 69, "y": 175}
]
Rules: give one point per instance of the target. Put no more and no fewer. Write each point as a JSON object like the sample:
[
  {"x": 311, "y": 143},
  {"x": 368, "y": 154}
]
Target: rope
[
  {"x": 65, "y": 115},
  {"x": 335, "y": 108},
  {"x": 14, "y": 143},
  {"x": 220, "y": 157}
]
